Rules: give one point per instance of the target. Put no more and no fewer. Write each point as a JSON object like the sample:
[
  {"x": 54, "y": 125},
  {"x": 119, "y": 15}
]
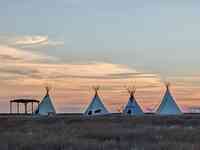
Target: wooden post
[
  {"x": 32, "y": 107},
  {"x": 10, "y": 107},
  {"x": 25, "y": 108},
  {"x": 18, "y": 108}
]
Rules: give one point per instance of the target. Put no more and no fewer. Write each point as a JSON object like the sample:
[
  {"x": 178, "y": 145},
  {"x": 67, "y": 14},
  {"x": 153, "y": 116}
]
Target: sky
[{"x": 72, "y": 45}]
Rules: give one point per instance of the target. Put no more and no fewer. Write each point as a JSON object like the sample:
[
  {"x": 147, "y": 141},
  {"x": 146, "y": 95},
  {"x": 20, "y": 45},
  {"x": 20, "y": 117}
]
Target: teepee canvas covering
[
  {"x": 168, "y": 105},
  {"x": 46, "y": 106},
  {"x": 132, "y": 107},
  {"x": 96, "y": 107}
]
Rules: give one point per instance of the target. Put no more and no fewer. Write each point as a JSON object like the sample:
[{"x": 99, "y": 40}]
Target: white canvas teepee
[
  {"x": 168, "y": 105},
  {"x": 96, "y": 107},
  {"x": 46, "y": 106},
  {"x": 132, "y": 107}
]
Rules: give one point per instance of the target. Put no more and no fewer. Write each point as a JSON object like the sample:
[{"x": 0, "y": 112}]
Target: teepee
[
  {"x": 46, "y": 106},
  {"x": 132, "y": 108},
  {"x": 96, "y": 107},
  {"x": 168, "y": 105}
]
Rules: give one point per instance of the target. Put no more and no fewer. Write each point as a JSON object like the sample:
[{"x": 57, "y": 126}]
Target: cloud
[
  {"x": 110, "y": 76},
  {"x": 78, "y": 75},
  {"x": 15, "y": 55},
  {"x": 18, "y": 63},
  {"x": 30, "y": 41},
  {"x": 132, "y": 75},
  {"x": 5, "y": 57},
  {"x": 53, "y": 43},
  {"x": 16, "y": 71}
]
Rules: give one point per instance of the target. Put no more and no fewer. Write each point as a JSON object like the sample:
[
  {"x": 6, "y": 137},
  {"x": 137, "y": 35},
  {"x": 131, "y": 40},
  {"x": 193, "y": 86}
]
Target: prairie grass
[{"x": 114, "y": 132}]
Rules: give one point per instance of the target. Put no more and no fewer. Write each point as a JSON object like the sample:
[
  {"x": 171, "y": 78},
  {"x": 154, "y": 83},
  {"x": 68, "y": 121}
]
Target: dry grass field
[{"x": 115, "y": 132}]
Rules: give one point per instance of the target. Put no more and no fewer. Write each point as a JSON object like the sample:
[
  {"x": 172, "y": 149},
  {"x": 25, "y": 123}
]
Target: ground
[{"x": 114, "y": 132}]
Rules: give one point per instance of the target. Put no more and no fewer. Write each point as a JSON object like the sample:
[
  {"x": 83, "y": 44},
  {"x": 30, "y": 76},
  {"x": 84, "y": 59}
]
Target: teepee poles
[
  {"x": 131, "y": 90},
  {"x": 96, "y": 89}
]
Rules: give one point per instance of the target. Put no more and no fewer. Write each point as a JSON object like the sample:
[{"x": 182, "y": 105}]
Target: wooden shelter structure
[{"x": 25, "y": 102}]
